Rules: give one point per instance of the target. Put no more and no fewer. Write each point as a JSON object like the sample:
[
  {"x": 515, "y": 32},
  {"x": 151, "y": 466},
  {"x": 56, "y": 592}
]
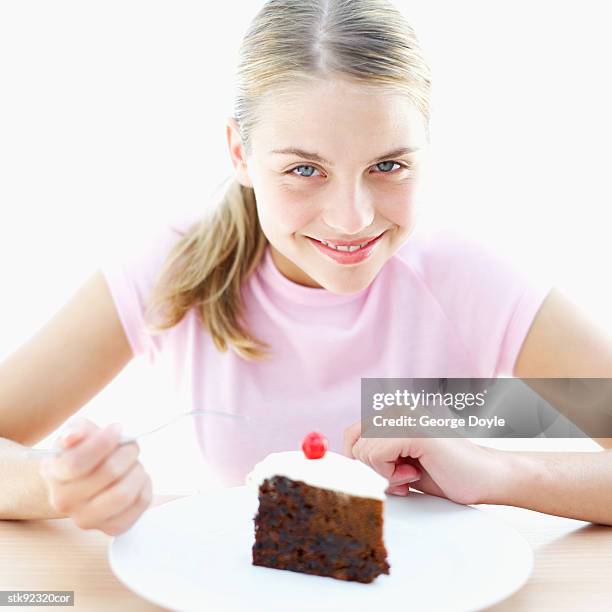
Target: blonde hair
[{"x": 288, "y": 42}]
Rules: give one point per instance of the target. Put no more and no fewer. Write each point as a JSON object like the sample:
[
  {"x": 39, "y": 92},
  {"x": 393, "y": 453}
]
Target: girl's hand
[
  {"x": 97, "y": 483},
  {"x": 454, "y": 468}
]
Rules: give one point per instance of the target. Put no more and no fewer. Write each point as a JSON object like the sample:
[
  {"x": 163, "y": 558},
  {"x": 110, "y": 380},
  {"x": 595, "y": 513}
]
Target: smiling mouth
[{"x": 347, "y": 246}]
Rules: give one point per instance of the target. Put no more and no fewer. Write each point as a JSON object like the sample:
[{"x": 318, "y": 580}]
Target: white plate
[{"x": 194, "y": 553}]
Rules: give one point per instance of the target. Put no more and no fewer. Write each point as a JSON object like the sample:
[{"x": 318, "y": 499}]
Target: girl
[{"x": 307, "y": 277}]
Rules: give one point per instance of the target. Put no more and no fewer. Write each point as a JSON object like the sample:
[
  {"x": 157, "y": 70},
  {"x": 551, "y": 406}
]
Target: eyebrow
[{"x": 316, "y": 157}]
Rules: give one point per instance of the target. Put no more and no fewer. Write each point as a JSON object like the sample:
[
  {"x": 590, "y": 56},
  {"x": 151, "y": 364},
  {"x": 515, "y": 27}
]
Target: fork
[{"x": 39, "y": 453}]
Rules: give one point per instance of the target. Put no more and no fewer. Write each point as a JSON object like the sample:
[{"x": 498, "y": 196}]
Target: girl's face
[{"x": 335, "y": 168}]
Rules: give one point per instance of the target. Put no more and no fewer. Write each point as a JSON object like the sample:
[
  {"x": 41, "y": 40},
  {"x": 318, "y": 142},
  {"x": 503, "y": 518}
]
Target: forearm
[
  {"x": 23, "y": 493},
  {"x": 572, "y": 484}
]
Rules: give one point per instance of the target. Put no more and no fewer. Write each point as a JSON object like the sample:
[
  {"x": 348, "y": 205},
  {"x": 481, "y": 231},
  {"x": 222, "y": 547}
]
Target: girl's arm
[
  {"x": 59, "y": 369},
  {"x": 576, "y": 485},
  {"x": 23, "y": 493},
  {"x": 570, "y": 484},
  {"x": 560, "y": 344},
  {"x": 563, "y": 343}
]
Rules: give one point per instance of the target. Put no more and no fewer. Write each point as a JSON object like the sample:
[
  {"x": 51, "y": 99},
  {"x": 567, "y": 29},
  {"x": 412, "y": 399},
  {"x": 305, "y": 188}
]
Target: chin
[
  {"x": 348, "y": 281},
  {"x": 347, "y": 288}
]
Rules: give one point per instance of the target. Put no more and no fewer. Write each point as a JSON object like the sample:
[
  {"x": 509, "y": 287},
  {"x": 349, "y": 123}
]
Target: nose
[{"x": 349, "y": 211}]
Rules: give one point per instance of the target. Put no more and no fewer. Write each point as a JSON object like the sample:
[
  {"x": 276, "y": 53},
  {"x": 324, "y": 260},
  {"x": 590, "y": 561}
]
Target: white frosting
[{"x": 332, "y": 471}]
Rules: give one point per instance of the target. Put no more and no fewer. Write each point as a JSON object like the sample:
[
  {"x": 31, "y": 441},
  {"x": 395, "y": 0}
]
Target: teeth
[{"x": 346, "y": 249}]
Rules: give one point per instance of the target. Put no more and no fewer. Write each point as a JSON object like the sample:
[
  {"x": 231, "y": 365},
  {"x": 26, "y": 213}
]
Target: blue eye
[
  {"x": 388, "y": 166},
  {"x": 307, "y": 174}
]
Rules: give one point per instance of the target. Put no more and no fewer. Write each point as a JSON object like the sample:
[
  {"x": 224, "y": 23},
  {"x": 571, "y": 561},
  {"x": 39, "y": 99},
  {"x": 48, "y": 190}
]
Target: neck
[{"x": 291, "y": 271}]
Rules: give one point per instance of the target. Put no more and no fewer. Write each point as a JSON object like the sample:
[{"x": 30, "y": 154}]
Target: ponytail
[{"x": 206, "y": 270}]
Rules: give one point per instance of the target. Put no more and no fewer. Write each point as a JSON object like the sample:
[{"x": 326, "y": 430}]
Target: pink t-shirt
[{"x": 440, "y": 307}]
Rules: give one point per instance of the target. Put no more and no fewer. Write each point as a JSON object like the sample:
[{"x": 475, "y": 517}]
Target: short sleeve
[
  {"x": 132, "y": 273},
  {"x": 489, "y": 301},
  {"x": 521, "y": 319}
]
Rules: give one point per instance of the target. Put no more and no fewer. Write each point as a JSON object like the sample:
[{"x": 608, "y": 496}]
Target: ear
[{"x": 236, "y": 151}]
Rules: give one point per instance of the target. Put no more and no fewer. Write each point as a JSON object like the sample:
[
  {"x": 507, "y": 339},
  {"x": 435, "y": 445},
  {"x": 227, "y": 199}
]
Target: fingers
[
  {"x": 351, "y": 435},
  {"x": 96, "y": 482},
  {"x": 75, "y": 431},
  {"x": 405, "y": 473},
  {"x": 379, "y": 453},
  {"x": 401, "y": 490},
  {"x": 68, "y": 495},
  {"x": 368, "y": 451},
  {"x": 84, "y": 455},
  {"x": 388, "y": 457},
  {"x": 112, "y": 501},
  {"x": 123, "y": 521}
]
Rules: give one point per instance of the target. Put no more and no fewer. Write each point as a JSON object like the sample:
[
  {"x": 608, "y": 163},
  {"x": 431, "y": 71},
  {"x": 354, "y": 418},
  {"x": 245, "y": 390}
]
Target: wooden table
[{"x": 573, "y": 563}]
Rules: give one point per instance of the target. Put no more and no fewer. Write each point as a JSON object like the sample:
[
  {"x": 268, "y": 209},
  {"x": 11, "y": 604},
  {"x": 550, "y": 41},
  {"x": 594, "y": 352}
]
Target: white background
[{"x": 112, "y": 120}]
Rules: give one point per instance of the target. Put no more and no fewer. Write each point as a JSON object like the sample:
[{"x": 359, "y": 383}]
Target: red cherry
[{"x": 314, "y": 445}]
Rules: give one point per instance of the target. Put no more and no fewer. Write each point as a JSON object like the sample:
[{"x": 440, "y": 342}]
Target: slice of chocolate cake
[{"x": 320, "y": 516}]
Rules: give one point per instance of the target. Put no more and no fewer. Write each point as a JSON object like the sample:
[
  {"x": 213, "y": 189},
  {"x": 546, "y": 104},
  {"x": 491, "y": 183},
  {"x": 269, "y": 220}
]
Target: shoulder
[
  {"x": 429, "y": 251},
  {"x": 490, "y": 299},
  {"x": 448, "y": 261},
  {"x": 136, "y": 262},
  {"x": 472, "y": 282}
]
